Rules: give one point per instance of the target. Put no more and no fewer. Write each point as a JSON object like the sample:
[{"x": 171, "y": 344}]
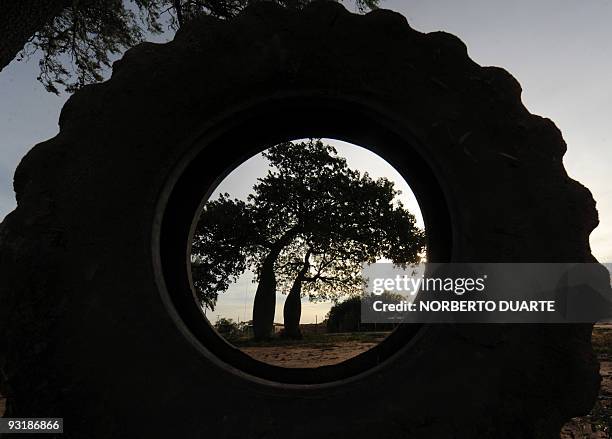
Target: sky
[{"x": 559, "y": 50}]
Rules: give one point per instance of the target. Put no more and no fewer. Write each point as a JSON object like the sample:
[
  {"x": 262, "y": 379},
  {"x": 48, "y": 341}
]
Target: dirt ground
[{"x": 308, "y": 355}]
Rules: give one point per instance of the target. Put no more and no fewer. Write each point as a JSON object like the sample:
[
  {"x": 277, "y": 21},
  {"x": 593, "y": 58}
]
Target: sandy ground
[{"x": 308, "y": 356}]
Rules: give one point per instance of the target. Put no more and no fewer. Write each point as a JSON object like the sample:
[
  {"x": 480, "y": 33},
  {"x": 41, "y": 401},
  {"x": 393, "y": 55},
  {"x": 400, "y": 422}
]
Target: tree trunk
[
  {"x": 264, "y": 305},
  {"x": 292, "y": 310},
  {"x": 20, "y": 20}
]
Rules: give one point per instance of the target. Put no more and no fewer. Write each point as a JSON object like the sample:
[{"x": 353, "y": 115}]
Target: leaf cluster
[{"x": 78, "y": 45}]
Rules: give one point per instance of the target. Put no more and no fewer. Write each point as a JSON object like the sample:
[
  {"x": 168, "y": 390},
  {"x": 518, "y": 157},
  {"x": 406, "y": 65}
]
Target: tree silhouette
[
  {"x": 78, "y": 39},
  {"x": 218, "y": 249},
  {"x": 307, "y": 228}
]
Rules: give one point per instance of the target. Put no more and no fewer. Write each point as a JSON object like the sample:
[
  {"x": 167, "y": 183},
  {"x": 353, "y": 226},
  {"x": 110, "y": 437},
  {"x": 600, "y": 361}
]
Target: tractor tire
[{"x": 97, "y": 320}]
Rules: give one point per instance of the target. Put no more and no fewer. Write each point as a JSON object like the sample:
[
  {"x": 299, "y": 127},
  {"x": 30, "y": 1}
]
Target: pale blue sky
[{"x": 559, "y": 50}]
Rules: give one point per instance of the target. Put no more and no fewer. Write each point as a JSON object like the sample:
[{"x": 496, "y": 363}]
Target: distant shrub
[
  {"x": 228, "y": 328},
  {"x": 346, "y": 317}
]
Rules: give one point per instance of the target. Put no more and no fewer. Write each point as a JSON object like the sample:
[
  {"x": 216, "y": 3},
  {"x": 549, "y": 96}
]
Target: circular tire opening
[
  {"x": 294, "y": 226},
  {"x": 215, "y": 155}
]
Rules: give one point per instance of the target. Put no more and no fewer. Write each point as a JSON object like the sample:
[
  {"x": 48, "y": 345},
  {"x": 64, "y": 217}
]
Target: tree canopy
[
  {"x": 78, "y": 39},
  {"x": 307, "y": 228},
  {"x": 219, "y": 247}
]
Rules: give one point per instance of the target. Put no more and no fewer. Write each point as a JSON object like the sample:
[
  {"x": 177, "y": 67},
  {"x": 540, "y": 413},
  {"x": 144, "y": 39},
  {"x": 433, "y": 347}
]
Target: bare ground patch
[
  {"x": 314, "y": 350},
  {"x": 308, "y": 356}
]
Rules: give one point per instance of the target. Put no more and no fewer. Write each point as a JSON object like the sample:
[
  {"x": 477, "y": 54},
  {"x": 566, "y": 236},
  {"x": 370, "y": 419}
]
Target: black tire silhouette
[{"x": 97, "y": 324}]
